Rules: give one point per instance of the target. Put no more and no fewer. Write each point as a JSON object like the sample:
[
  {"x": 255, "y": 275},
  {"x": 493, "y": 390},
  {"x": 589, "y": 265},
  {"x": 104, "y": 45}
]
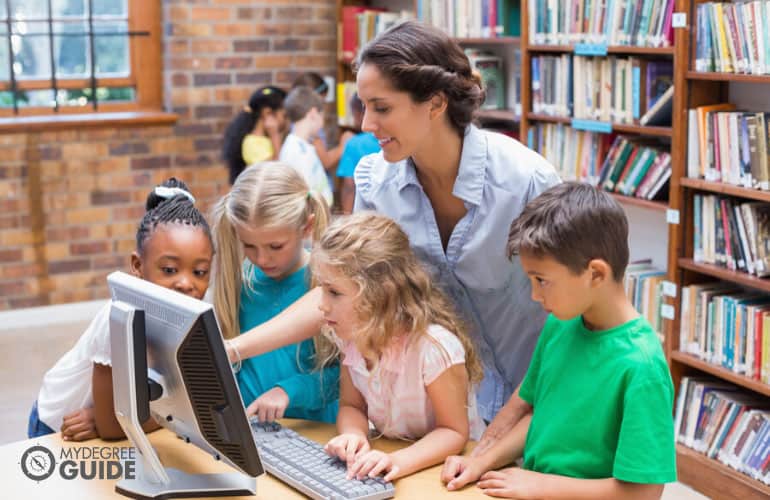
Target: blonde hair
[
  {"x": 268, "y": 194},
  {"x": 395, "y": 293}
]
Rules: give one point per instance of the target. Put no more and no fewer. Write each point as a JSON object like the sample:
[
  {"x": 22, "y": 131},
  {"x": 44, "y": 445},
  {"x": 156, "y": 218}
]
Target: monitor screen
[{"x": 192, "y": 388}]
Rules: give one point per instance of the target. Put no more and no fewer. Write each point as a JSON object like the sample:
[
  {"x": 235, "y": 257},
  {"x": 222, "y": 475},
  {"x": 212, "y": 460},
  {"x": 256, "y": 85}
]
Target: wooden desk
[{"x": 175, "y": 453}]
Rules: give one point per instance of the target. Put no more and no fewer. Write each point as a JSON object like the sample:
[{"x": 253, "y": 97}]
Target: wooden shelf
[
  {"x": 722, "y": 188},
  {"x": 660, "y": 206},
  {"x": 498, "y": 114},
  {"x": 539, "y": 117},
  {"x": 500, "y": 40},
  {"x": 723, "y": 373},
  {"x": 715, "y": 479},
  {"x": 727, "y": 77},
  {"x": 737, "y": 277},
  {"x": 624, "y": 128},
  {"x": 612, "y": 49}
]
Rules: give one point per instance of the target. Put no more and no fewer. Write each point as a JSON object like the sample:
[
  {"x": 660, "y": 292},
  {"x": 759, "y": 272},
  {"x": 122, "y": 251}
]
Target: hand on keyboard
[
  {"x": 347, "y": 446},
  {"x": 371, "y": 464}
]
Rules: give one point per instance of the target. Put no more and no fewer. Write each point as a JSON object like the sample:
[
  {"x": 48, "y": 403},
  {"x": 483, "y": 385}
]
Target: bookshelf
[{"x": 695, "y": 88}]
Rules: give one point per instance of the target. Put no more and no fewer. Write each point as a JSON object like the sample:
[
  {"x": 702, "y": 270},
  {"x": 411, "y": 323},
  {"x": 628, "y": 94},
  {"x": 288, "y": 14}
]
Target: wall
[{"x": 70, "y": 200}]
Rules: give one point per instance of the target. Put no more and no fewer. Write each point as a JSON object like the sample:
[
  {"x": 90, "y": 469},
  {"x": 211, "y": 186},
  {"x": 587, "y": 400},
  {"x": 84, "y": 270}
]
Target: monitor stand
[{"x": 152, "y": 479}]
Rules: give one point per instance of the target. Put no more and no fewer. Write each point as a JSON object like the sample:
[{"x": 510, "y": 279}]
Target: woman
[{"x": 455, "y": 190}]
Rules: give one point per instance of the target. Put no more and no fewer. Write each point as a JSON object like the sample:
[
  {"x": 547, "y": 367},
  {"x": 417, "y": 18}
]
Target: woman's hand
[
  {"x": 348, "y": 446},
  {"x": 79, "y": 425},
  {"x": 270, "y": 405}
]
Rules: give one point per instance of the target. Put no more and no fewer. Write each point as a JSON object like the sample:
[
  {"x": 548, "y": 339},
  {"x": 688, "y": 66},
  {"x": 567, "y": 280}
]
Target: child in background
[
  {"x": 329, "y": 156},
  {"x": 174, "y": 250},
  {"x": 362, "y": 144},
  {"x": 304, "y": 108},
  {"x": 257, "y": 131},
  {"x": 408, "y": 365},
  {"x": 598, "y": 383},
  {"x": 262, "y": 267}
]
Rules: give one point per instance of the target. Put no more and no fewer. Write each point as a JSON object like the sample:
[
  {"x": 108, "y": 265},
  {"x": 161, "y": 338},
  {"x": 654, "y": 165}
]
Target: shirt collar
[
  {"x": 393, "y": 359},
  {"x": 469, "y": 185}
]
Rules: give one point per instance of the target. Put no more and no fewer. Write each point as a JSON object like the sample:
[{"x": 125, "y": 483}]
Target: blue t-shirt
[
  {"x": 356, "y": 148},
  {"x": 313, "y": 395}
]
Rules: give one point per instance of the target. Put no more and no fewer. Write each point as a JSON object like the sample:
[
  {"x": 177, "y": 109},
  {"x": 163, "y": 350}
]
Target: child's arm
[
  {"x": 330, "y": 157},
  {"x": 309, "y": 390},
  {"x": 347, "y": 195},
  {"x": 459, "y": 471},
  {"x": 524, "y": 484},
  {"x": 107, "y": 425},
  {"x": 448, "y": 395},
  {"x": 508, "y": 416},
  {"x": 298, "y": 322},
  {"x": 352, "y": 422}
]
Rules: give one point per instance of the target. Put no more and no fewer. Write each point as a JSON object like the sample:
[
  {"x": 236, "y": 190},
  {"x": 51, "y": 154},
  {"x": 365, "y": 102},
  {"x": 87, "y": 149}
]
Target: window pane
[
  {"x": 5, "y": 73},
  {"x": 2, "y": 15},
  {"x": 31, "y": 53},
  {"x": 111, "y": 50},
  {"x": 84, "y": 97},
  {"x": 71, "y": 49},
  {"x": 6, "y": 99},
  {"x": 69, "y": 8},
  {"x": 36, "y": 98},
  {"x": 29, "y": 9},
  {"x": 109, "y": 8}
]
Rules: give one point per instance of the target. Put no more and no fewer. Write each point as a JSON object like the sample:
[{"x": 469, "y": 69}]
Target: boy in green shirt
[{"x": 600, "y": 391}]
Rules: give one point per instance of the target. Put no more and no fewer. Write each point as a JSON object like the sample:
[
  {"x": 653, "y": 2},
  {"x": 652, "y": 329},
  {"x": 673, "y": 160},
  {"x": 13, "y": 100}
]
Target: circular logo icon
[{"x": 38, "y": 463}]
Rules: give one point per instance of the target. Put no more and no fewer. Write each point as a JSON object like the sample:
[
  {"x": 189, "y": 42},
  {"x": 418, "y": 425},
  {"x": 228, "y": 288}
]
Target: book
[{"x": 660, "y": 113}]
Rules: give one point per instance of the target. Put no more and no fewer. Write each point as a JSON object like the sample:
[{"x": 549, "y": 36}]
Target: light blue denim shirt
[{"x": 496, "y": 179}]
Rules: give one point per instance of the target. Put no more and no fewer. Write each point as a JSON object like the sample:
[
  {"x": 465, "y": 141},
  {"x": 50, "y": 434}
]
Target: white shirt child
[
  {"x": 301, "y": 155},
  {"x": 67, "y": 386}
]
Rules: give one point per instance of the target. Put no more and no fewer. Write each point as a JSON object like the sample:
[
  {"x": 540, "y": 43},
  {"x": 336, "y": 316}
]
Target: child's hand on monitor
[
  {"x": 270, "y": 405},
  {"x": 348, "y": 446},
  {"x": 372, "y": 464},
  {"x": 79, "y": 425}
]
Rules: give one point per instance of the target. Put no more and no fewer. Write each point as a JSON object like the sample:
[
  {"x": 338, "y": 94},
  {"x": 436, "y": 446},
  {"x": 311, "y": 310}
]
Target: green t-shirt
[{"x": 602, "y": 403}]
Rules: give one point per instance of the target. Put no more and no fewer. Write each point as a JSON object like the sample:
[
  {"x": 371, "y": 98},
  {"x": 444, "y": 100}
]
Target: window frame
[{"x": 145, "y": 59}]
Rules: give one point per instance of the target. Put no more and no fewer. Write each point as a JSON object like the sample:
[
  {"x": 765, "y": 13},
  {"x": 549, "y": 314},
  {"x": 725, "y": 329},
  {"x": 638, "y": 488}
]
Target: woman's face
[{"x": 400, "y": 125}]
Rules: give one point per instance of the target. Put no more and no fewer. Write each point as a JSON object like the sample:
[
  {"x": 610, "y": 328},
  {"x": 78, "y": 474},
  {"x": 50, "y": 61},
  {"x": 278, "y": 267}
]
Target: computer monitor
[{"x": 169, "y": 362}]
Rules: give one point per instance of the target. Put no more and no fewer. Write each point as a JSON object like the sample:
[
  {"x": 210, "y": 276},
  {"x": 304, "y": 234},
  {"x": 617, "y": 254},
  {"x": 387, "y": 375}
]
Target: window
[{"x": 79, "y": 56}]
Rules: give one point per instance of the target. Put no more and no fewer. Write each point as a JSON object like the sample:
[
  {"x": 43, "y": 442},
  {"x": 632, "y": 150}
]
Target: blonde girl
[
  {"x": 407, "y": 366},
  {"x": 261, "y": 267}
]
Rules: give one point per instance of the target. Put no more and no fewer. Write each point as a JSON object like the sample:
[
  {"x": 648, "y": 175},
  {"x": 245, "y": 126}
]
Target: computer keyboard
[{"x": 304, "y": 465}]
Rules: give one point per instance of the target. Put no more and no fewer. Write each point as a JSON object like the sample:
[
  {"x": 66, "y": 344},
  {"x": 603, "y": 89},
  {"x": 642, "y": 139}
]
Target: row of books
[
  {"x": 360, "y": 24},
  {"x": 717, "y": 419},
  {"x": 610, "y": 89},
  {"x": 576, "y": 154},
  {"x": 728, "y": 327},
  {"x": 635, "y": 168},
  {"x": 729, "y": 146},
  {"x": 345, "y": 91},
  {"x": 643, "y": 283},
  {"x": 472, "y": 18},
  {"x": 733, "y": 37},
  {"x": 732, "y": 235},
  {"x": 611, "y": 22}
]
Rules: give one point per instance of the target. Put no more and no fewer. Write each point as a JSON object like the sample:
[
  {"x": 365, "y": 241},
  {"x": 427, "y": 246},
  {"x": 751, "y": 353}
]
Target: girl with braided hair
[{"x": 174, "y": 249}]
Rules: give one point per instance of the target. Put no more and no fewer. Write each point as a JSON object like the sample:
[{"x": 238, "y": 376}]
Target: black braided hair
[{"x": 177, "y": 209}]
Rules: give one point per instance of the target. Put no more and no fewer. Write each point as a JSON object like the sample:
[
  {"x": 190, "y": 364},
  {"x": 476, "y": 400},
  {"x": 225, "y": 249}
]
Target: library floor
[{"x": 26, "y": 354}]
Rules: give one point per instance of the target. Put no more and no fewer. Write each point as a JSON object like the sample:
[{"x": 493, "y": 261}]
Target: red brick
[
  {"x": 259, "y": 14},
  {"x": 67, "y": 233},
  {"x": 110, "y": 262},
  {"x": 211, "y": 79},
  {"x": 254, "y": 45},
  {"x": 259, "y": 78},
  {"x": 180, "y": 79},
  {"x": 232, "y": 62},
  {"x": 9, "y": 288},
  {"x": 234, "y": 29},
  {"x": 28, "y": 302},
  {"x": 293, "y": 13},
  {"x": 193, "y": 129},
  {"x": 89, "y": 248},
  {"x": 312, "y": 29},
  {"x": 270, "y": 29},
  {"x": 25, "y": 270},
  {"x": 203, "y": 112},
  {"x": 187, "y": 160},
  {"x": 10, "y": 255},
  {"x": 128, "y": 148},
  {"x": 109, "y": 197},
  {"x": 150, "y": 162},
  {"x": 290, "y": 44},
  {"x": 209, "y": 14},
  {"x": 208, "y": 144}
]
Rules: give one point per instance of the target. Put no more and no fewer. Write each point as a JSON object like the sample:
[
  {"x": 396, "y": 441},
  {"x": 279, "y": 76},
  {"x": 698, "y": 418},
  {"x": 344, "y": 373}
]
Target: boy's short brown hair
[
  {"x": 300, "y": 101},
  {"x": 573, "y": 223}
]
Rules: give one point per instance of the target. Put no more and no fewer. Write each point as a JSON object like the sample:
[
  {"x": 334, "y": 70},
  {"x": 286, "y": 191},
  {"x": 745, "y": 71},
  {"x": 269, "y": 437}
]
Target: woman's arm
[
  {"x": 508, "y": 416},
  {"x": 104, "y": 411},
  {"x": 448, "y": 395},
  {"x": 298, "y": 322}
]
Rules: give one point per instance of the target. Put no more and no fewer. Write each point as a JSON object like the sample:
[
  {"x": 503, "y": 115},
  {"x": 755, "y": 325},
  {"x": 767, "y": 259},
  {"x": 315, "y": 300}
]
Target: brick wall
[{"x": 70, "y": 200}]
